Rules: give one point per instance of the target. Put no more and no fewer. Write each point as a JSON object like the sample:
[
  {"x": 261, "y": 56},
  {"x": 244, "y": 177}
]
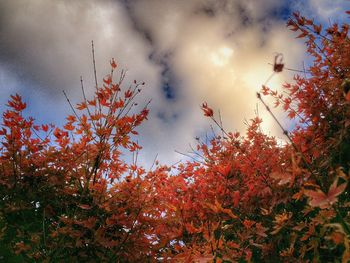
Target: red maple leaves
[
  {"x": 68, "y": 194},
  {"x": 319, "y": 199}
]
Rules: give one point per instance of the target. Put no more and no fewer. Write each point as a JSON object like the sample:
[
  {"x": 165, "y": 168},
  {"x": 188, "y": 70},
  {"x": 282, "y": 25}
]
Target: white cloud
[
  {"x": 216, "y": 51},
  {"x": 324, "y": 11}
]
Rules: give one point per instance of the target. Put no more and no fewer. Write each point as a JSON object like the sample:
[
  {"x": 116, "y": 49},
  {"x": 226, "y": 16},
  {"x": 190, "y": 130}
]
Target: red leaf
[
  {"x": 207, "y": 111},
  {"x": 347, "y": 96},
  {"x": 128, "y": 94},
  {"x": 320, "y": 199},
  {"x": 304, "y": 34},
  {"x": 45, "y": 127},
  {"x": 107, "y": 80},
  {"x": 317, "y": 29},
  {"x": 335, "y": 190},
  {"x": 16, "y": 103},
  {"x": 3, "y": 131},
  {"x": 236, "y": 198},
  {"x": 113, "y": 63},
  {"x": 265, "y": 90}
]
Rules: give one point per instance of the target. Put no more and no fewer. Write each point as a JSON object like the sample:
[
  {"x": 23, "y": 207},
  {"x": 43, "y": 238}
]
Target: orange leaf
[
  {"x": 337, "y": 237},
  {"x": 335, "y": 191},
  {"x": 21, "y": 247},
  {"x": 229, "y": 212},
  {"x": 69, "y": 127},
  {"x": 318, "y": 198},
  {"x": 81, "y": 106},
  {"x": 92, "y": 102},
  {"x": 191, "y": 229},
  {"x": 85, "y": 207},
  {"x": 71, "y": 118},
  {"x": 218, "y": 208},
  {"x": 282, "y": 178}
]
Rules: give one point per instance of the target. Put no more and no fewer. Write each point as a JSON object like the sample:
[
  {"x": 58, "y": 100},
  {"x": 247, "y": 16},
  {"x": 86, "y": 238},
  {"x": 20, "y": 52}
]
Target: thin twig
[
  {"x": 154, "y": 161},
  {"x": 94, "y": 64},
  {"x": 268, "y": 79},
  {"x": 95, "y": 74},
  {"x": 221, "y": 125},
  {"x": 85, "y": 100},
  {"x": 189, "y": 156},
  {"x": 290, "y": 69},
  {"x": 285, "y": 132},
  {"x": 71, "y": 106}
]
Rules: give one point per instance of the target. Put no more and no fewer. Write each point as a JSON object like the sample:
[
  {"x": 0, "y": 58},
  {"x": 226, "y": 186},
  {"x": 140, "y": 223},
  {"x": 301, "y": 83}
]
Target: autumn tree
[
  {"x": 248, "y": 199},
  {"x": 68, "y": 195}
]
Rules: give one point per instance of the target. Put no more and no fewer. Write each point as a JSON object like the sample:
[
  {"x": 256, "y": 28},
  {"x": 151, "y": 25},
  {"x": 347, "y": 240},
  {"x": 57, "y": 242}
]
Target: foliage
[{"x": 68, "y": 195}]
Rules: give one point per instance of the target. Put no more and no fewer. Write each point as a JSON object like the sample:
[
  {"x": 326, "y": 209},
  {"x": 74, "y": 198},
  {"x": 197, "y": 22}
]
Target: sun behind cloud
[
  {"x": 221, "y": 57},
  {"x": 205, "y": 50}
]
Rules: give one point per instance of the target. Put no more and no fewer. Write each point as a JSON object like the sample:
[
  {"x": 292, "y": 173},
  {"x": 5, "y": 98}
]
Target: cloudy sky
[{"x": 187, "y": 52}]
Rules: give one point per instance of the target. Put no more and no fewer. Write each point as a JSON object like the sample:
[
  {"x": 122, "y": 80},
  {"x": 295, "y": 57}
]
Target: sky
[{"x": 186, "y": 51}]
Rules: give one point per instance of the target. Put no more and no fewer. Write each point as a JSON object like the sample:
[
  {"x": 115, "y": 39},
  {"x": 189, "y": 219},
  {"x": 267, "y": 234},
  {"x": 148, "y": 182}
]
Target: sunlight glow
[{"x": 221, "y": 57}]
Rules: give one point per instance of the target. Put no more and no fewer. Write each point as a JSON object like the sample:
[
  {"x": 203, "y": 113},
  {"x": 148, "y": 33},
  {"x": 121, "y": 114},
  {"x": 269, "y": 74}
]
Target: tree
[
  {"x": 66, "y": 194},
  {"x": 251, "y": 200}
]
